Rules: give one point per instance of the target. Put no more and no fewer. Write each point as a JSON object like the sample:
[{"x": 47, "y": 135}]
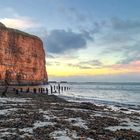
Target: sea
[
  {"x": 100, "y": 93},
  {"x": 106, "y": 93}
]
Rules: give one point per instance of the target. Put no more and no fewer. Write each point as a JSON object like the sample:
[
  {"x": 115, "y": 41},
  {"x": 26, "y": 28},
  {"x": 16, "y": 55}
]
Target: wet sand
[{"x": 30, "y": 116}]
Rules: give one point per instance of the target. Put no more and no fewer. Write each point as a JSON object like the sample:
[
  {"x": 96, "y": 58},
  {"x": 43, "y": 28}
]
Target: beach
[{"x": 29, "y": 116}]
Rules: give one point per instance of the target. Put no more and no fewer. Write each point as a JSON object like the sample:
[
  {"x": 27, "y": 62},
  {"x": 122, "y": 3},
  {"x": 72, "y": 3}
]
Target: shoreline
[
  {"x": 40, "y": 116},
  {"x": 98, "y": 101}
]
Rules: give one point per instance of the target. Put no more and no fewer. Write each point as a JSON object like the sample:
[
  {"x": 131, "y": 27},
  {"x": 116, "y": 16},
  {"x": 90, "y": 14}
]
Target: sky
[{"x": 84, "y": 40}]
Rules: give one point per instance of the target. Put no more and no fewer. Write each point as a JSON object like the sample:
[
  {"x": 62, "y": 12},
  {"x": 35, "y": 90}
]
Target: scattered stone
[{"x": 41, "y": 117}]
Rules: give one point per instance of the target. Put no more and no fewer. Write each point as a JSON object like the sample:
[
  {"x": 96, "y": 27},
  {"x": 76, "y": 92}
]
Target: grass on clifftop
[
  {"x": 23, "y": 33},
  {"x": 18, "y": 31}
]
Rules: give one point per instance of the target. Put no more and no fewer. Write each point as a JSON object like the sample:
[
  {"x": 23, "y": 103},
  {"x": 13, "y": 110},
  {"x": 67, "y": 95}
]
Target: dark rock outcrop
[{"x": 23, "y": 55}]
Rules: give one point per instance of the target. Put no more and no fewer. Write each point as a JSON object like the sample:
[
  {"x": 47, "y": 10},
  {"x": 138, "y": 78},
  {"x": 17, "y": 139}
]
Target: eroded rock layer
[{"x": 23, "y": 55}]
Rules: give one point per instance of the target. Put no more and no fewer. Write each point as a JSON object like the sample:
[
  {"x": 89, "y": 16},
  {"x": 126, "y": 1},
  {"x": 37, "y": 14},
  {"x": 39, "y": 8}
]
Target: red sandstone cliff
[{"x": 23, "y": 55}]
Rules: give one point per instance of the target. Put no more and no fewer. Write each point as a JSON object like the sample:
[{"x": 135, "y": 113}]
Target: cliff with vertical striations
[{"x": 23, "y": 55}]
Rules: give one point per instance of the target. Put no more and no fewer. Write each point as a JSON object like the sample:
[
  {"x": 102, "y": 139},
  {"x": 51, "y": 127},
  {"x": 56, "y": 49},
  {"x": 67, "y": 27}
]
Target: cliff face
[{"x": 23, "y": 55}]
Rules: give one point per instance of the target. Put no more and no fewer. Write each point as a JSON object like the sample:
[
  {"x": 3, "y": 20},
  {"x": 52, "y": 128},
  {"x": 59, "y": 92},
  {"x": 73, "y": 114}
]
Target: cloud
[
  {"x": 125, "y": 25},
  {"x": 118, "y": 32},
  {"x": 133, "y": 66},
  {"x": 60, "y": 41},
  {"x": 19, "y": 23},
  {"x": 73, "y": 13},
  {"x": 91, "y": 64},
  {"x": 11, "y": 18},
  {"x": 131, "y": 53},
  {"x": 120, "y": 41},
  {"x": 80, "y": 19},
  {"x": 125, "y": 77},
  {"x": 127, "y": 52},
  {"x": 78, "y": 65},
  {"x": 50, "y": 56}
]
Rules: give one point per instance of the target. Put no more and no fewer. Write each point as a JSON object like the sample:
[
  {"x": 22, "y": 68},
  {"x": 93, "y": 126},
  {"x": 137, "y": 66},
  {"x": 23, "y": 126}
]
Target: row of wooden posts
[{"x": 53, "y": 89}]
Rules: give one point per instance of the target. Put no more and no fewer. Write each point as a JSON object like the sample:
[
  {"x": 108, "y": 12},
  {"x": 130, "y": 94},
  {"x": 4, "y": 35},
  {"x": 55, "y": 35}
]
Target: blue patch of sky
[{"x": 48, "y": 11}]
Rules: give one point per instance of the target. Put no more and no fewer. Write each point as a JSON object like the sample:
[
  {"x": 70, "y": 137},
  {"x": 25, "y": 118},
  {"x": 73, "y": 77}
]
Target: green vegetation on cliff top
[{"x": 18, "y": 31}]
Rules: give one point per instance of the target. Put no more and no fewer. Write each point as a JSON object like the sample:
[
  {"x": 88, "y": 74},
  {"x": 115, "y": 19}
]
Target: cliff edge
[{"x": 23, "y": 55}]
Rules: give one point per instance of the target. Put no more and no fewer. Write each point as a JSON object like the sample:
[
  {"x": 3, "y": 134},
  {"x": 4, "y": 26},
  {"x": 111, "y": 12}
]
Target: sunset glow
[{"x": 73, "y": 71}]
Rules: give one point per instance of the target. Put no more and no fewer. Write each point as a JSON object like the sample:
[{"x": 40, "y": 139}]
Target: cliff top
[
  {"x": 2, "y": 25},
  {"x": 18, "y": 31}
]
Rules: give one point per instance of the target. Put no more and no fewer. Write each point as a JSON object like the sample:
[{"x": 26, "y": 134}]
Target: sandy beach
[{"x": 30, "y": 116}]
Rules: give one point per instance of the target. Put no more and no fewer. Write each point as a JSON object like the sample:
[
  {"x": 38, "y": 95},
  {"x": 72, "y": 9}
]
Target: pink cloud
[
  {"x": 132, "y": 67},
  {"x": 19, "y": 23}
]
